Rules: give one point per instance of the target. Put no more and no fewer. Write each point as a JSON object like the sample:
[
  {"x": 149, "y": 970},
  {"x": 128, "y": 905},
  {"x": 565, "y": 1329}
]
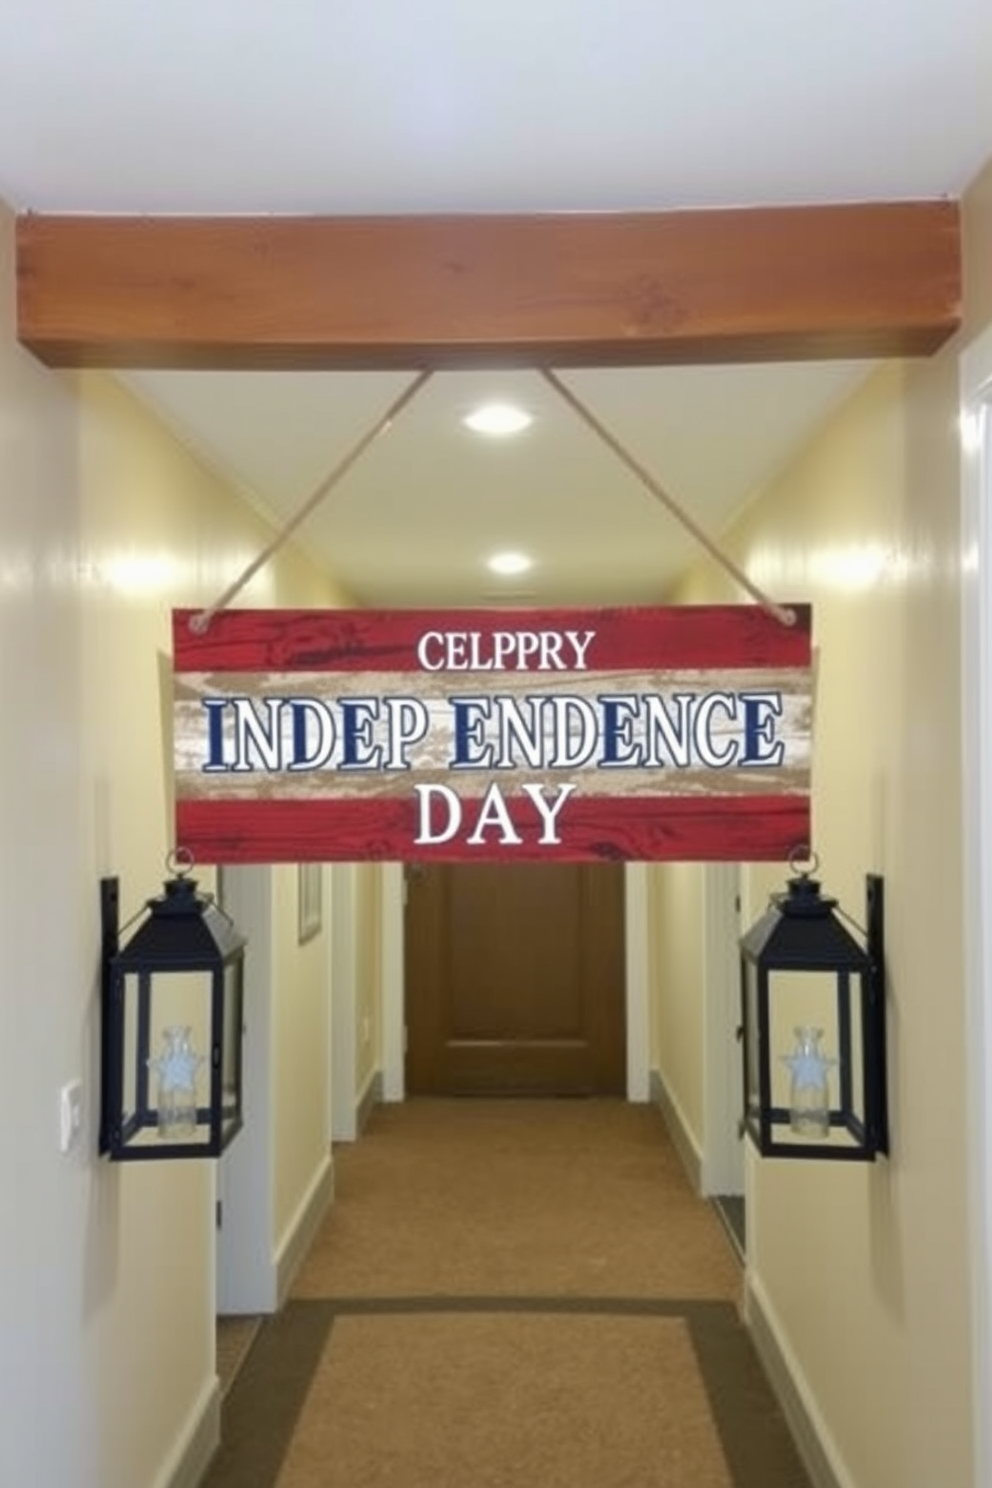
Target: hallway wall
[
  {"x": 677, "y": 1027},
  {"x": 863, "y": 1274},
  {"x": 368, "y": 977},
  {"x": 301, "y": 1058},
  {"x": 106, "y": 1272}
]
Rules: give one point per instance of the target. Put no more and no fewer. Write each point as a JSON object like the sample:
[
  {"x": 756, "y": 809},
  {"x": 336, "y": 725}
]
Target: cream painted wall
[
  {"x": 300, "y": 1052},
  {"x": 106, "y": 1272},
  {"x": 886, "y": 798},
  {"x": 863, "y": 1272},
  {"x": 676, "y": 942},
  {"x": 368, "y": 1002}
]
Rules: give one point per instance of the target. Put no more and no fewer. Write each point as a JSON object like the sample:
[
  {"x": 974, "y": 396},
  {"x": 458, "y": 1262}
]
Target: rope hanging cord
[
  {"x": 781, "y": 613},
  {"x": 200, "y": 621}
]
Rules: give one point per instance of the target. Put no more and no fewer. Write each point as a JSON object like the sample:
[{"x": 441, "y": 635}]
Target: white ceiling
[
  {"x": 243, "y": 106},
  {"x": 416, "y": 517},
  {"x": 431, "y": 105}
]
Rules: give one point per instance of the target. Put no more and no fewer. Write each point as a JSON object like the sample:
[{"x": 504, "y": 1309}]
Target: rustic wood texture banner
[{"x": 471, "y": 735}]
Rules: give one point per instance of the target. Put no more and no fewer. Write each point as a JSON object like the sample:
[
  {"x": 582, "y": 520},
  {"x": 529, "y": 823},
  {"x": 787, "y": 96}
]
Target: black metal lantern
[
  {"x": 173, "y": 1000},
  {"x": 813, "y": 1007}
]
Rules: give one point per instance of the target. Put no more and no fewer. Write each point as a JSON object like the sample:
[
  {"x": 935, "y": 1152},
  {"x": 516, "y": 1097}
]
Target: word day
[{"x": 441, "y": 813}]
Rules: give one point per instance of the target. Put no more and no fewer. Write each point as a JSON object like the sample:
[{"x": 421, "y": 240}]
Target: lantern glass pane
[
  {"x": 135, "y": 1055},
  {"x": 856, "y": 1084},
  {"x": 814, "y": 1062},
  {"x": 177, "y": 1058},
  {"x": 804, "y": 1047},
  {"x": 799, "y": 1000},
  {"x": 233, "y": 1030}
]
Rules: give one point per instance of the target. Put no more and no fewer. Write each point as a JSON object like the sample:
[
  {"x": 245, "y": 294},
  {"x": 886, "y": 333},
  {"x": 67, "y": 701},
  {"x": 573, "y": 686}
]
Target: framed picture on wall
[{"x": 310, "y": 893}]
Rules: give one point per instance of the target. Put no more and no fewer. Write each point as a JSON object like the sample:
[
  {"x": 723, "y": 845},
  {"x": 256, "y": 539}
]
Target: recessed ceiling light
[
  {"x": 509, "y": 563},
  {"x": 497, "y": 419}
]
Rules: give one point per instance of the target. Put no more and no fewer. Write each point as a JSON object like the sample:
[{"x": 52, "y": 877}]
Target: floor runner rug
[{"x": 509, "y": 1294}]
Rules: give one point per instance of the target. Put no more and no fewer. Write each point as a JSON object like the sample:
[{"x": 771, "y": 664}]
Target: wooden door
[{"x": 515, "y": 980}]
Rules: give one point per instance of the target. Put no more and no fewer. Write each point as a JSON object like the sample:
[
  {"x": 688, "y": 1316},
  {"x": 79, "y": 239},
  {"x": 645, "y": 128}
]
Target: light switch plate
[{"x": 70, "y": 1114}]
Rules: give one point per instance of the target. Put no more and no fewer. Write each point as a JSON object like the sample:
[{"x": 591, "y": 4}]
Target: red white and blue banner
[{"x": 472, "y": 735}]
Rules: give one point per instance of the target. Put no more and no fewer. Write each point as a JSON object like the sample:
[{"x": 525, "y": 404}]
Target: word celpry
[
  {"x": 504, "y": 650},
  {"x": 714, "y": 730}
]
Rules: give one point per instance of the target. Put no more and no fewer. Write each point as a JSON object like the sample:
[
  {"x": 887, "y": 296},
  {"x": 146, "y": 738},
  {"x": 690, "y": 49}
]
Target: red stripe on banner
[
  {"x": 641, "y": 638},
  {"x": 638, "y": 829}
]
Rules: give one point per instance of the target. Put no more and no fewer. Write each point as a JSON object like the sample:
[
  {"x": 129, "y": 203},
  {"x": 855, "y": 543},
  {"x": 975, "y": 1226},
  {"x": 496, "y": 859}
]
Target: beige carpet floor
[
  {"x": 234, "y": 1336},
  {"x": 577, "y": 1197},
  {"x": 509, "y": 1293}
]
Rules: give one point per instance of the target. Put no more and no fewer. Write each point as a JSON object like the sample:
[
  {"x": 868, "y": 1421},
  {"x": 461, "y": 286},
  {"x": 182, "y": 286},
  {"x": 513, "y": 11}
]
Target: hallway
[{"x": 509, "y": 1292}]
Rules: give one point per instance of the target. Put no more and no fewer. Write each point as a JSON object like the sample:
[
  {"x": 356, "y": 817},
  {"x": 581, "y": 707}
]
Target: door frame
[
  {"x": 343, "y": 1115},
  {"x": 722, "y": 1158},
  {"x": 393, "y": 989},
  {"x": 976, "y": 688},
  {"x": 245, "y": 1267}
]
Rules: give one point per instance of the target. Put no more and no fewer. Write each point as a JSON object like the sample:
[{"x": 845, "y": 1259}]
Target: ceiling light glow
[
  {"x": 497, "y": 419},
  {"x": 510, "y": 563},
  {"x": 971, "y": 426}
]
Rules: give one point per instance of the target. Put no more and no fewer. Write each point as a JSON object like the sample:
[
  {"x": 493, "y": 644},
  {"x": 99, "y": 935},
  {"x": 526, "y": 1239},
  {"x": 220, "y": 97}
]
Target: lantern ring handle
[
  {"x": 803, "y": 853},
  {"x": 180, "y": 861}
]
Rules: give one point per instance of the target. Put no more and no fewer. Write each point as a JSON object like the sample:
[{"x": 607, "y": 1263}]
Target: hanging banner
[{"x": 467, "y": 735}]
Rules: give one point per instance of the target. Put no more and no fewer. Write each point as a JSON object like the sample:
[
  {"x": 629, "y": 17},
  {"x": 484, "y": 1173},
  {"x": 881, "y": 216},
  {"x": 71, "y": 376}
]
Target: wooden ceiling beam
[{"x": 626, "y": 289}]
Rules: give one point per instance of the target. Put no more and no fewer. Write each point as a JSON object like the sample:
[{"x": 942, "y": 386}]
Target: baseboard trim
[
  {"x": 820, "y": 1458},
  {"x": 370, "y": 1097},
  {"x": 197, "y": 1444},
  {"x": 299, "y": 1233},
  {"x": 678, "y": 1129}
]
